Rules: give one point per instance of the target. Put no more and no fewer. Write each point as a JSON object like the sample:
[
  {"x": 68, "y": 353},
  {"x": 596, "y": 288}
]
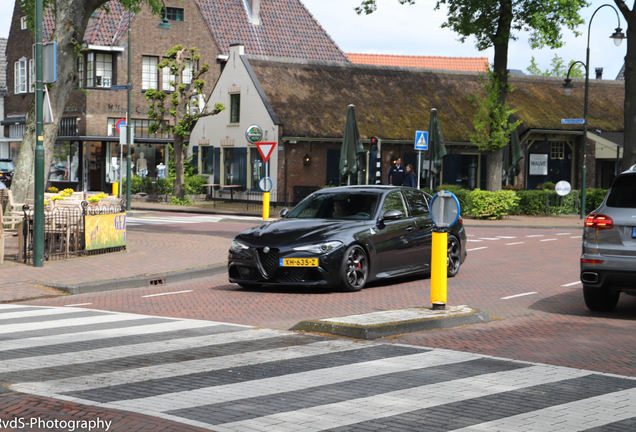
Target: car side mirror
[
  {"x": 283, "y": 212},
  {"x": 392, "y": 215}
]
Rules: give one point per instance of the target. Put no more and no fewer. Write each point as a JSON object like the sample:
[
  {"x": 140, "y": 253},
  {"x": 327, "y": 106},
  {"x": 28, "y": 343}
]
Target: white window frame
[
  {"x": 166, "y": 78},
  {"x": 23, "y": 23},
  {"x": 149, "y": 73},
  {"x": 20, "y": 82},
  {"x": 96, "y": 67},
  {"x": 188, "y": 70},
  {"x": 31, "y": 76}
]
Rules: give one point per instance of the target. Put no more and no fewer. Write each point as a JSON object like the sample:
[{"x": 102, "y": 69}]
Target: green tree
[
  {"x": 558, "y": 68},
  {"x": 184, "y": 104},
  {"x": 71, "y": 20},
  {"x": 492, "y": 23},
  {"x": 629, "y": 149}
]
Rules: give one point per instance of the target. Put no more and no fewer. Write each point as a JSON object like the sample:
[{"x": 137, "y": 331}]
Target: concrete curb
[
  {"x": 141, "y": 281},
  {"x": 375, "y": 331}
]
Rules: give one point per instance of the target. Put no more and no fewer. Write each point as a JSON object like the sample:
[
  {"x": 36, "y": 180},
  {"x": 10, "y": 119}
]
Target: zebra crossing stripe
[{"x": 69, "y": 323}]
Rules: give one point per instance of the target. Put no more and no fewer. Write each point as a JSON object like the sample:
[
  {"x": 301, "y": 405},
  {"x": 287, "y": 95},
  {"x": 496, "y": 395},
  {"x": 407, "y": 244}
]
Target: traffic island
[{"x": 381, "y": 324}]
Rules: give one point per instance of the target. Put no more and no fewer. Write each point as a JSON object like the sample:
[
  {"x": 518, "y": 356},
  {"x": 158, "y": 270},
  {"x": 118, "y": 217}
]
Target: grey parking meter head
[{"x": 445, "y": 209}]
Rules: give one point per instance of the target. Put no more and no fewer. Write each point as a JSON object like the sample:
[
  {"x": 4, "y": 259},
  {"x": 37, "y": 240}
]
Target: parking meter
[{"x": 445, "y": 211}]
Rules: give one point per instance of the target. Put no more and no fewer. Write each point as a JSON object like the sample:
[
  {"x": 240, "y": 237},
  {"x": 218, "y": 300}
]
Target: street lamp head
[
  {"x": 567, "y": 87},
  {"x": 618, "y": 36},
  {"x": 164, "y": 27}
]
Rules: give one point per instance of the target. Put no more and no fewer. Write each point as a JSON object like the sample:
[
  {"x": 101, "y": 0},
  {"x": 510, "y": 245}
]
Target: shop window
[
  {"x": 141, "y": 128},
  {"x": 557, "y": 150},
  {"x": 99, "y": 70},
  {"x": 149, "y": 73},
  {"x": 257, "y": 168},
  {"x": 235, "y": 108},
  {"x": 166, "y": 79},
  {"x": 65, "y": 162},
  {"x": 207, "y": 159},
  {"x": 173, "y": 14},
  {"x": 20, "y": 76}
]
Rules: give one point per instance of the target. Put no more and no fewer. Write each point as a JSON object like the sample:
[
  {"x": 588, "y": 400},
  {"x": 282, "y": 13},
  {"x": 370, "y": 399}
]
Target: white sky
[{"x": 415, "y": 30}]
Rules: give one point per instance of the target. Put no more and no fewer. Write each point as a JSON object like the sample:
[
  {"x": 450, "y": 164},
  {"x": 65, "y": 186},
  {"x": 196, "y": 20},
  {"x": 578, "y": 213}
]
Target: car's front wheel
[
  {"x": 453, "y": 256},
  {"x": 354, "y": 270},
  {"x": 600, "y": 299}
]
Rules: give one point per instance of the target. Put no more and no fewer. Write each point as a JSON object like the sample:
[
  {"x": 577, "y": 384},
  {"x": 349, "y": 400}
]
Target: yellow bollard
[
  {"x": 439, "y": 269},
  {"x": 265, "y": 205},
  {"x": 116, "y": 189}
]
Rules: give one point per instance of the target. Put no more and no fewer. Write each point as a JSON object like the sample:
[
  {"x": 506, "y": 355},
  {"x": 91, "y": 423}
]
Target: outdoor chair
[
  {"x": 14, "y": 207},
  {"x": 9, "y": 227}
]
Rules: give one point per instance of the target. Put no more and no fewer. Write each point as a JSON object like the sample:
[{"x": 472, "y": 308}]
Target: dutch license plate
[
  {"x": 299, "y": 262},
  {"x": 633, "y": 232}
]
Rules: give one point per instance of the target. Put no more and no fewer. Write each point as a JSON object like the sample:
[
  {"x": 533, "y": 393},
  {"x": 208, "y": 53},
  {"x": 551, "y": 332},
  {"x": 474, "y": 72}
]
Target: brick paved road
[
  {"x": 82, "y": 364},
  {"x": 552, "y": 326}
]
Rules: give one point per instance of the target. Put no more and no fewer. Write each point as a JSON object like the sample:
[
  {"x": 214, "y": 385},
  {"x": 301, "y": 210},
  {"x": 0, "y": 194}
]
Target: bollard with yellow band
[
  {"x": 115, "y": 189},
  {"x": 445, "y": 213},
  {"x": 265, "y": 205}
]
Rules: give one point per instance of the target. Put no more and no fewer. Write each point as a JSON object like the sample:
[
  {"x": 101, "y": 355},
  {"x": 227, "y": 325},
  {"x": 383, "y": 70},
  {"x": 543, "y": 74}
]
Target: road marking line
[
  {"x": 518, "y": 295},
  {"x": 570, "y": 284},
  {"x": 78, "y": 304},
  {"x": 170, "y": 293},
  {"x": 535, "y": 235},
  {"x": 488, "y": 238},
  {"x": 470, "y": 240},
  {"x": 576, "y": 237},
  {"x": 507, "y": 237},
  {"x": 515, "y": 243},
  {"x": 470, "y": 235},
  {"x": 548, "y": 239},
  {"x": 564, "y": 233},
  {"x": 470, "y": 250}
]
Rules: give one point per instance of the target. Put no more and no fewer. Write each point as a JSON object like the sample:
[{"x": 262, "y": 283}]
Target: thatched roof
[{"x": 311, "y": 99}]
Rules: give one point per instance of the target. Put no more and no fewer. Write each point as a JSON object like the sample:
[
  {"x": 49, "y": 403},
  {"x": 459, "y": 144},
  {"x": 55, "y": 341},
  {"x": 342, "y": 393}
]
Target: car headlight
[
  {"x": 237, "y": 246},
  {"x": 320, "y": 248}
]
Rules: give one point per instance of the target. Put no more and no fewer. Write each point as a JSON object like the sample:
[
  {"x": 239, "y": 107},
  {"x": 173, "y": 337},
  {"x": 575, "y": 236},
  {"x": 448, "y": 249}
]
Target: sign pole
[
  {"x": 266, "y": 195},
  {"x": 38, "y": 216},
  {"x": 128, "y": 123},
  {"x": 419, "y": 167}
]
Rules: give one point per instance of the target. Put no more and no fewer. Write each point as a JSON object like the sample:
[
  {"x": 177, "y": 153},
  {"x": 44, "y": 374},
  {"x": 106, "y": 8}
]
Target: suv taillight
[{"x": 598, "y": 221}]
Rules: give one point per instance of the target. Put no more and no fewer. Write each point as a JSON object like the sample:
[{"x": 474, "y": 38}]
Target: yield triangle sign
[{"x": 265, "y": 149}]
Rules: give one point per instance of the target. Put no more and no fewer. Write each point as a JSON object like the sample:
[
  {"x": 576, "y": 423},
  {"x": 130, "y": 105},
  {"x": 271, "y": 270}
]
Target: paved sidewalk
[{"x": 166, "y": 254}]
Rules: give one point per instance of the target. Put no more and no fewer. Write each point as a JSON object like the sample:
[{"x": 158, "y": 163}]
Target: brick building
[{"x": 87, "y": 149}]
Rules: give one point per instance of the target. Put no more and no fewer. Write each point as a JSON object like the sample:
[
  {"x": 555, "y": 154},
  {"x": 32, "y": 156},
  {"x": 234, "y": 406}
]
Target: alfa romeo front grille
[{"x": 267, "y": 262}]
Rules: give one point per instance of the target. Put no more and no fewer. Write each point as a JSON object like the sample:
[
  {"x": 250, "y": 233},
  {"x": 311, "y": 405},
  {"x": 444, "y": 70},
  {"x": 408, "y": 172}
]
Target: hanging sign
[
  {"x": 254, "y": 134},
  {"x": 265, "y": 149}
]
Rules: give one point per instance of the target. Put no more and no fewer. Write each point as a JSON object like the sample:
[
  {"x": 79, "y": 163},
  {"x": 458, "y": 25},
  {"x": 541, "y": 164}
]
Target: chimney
[
  {"x": 599, "y": 73},
  {"x": 255, "y": 7}
]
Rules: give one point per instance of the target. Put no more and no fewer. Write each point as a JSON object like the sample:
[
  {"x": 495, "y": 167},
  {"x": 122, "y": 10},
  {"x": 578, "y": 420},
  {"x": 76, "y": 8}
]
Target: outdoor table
[
  {"x": 232, "y": 187},
  {"x": 210, "y": 190}
]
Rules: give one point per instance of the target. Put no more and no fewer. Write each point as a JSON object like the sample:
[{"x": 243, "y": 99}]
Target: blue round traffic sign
[{"x": 445, "y": 209}]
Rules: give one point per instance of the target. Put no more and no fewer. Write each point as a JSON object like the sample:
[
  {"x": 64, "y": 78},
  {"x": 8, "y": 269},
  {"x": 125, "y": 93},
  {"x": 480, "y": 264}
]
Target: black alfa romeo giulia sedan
[{"x": 343, "y": 237}]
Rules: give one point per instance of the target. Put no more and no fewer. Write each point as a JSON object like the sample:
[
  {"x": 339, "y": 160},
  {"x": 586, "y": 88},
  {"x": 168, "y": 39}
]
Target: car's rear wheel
[
  {"x": 600, "y": 299},
  {"x": 454, "y": 256},
  {"x": 354, "y": 270}
]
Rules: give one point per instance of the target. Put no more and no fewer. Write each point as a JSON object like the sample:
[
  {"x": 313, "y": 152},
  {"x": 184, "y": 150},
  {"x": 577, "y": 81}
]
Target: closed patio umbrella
[
  {"x": 512, "y": 155},
  {"x": 436, "y": 147},
  {"x": 351, "y": 146}
]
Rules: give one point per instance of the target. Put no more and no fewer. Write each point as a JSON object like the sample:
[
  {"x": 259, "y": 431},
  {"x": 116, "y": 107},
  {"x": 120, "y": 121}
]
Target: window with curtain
[
  {"x": 235, "y": 108},
  {"x": 20, "y": 76},
  {"x": 149, "y": 73}
]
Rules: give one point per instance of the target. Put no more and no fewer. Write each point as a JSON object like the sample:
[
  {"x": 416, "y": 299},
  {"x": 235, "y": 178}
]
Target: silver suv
[{"x": 608, "y": 263}]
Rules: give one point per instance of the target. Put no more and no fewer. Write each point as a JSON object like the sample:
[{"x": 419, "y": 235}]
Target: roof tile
[{"x": 474, "y": 64}]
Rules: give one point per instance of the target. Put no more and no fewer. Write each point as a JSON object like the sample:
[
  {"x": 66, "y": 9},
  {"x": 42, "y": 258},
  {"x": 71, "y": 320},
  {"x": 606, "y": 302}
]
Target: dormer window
[{"x": 99, "y": 70}]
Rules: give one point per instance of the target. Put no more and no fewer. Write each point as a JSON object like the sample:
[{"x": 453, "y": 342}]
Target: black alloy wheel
[
  {"x": 355, "y": 269},
  {"x": 454, "y": 256}
]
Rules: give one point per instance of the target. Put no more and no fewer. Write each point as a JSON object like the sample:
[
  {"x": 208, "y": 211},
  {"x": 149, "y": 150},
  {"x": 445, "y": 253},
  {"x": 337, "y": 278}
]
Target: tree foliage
[
  {"x": 629, "y": 149},
  {"x": 177, "y": 113},
  {"x": 557, "y": 68}
]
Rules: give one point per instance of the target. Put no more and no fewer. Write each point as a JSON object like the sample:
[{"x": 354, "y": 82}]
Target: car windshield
[
  {"x": 337, "y": 205},
  {"x": 623, "y": 192},
  {"x": 6, "y": 166}
]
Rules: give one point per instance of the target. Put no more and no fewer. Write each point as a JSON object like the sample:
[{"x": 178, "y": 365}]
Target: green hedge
[
  {"x": 594, "y": 198},
  {"x": 193, "y": 185},
  {"x": 461, "y": 194},
  {"x": 491, "y": 205},
  {"x": 531, "y": 202}
]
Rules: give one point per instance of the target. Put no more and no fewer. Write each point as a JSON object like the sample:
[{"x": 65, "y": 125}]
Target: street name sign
[{"x": 572, "y": 121}]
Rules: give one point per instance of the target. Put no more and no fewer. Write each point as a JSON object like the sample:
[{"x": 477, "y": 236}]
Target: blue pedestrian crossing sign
[{"x": 421, "y": 140}]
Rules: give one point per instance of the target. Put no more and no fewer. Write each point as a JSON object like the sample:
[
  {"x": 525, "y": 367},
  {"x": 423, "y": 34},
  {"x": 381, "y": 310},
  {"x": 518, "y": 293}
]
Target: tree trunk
[
  {"x": 71, "y": 19},
  {"x": 500, "y": 71},
  {"x": 179, "y": 151},
  {"x": 629, "y": 149}
]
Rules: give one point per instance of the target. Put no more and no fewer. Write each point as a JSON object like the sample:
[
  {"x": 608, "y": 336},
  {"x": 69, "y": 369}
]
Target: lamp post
[
  {"x": 164, "y": 27},
  {"x": 618, "y": 37}
]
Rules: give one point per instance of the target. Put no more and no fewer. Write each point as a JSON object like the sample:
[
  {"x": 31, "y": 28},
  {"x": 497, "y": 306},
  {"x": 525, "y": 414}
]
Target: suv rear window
[{"x": 623, "y": 192}]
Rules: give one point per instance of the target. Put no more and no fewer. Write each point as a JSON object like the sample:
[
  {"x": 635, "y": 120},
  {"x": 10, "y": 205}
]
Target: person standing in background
[
  {"x": 395, "y": 176},
  {"x": 409, "y": 180}
]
